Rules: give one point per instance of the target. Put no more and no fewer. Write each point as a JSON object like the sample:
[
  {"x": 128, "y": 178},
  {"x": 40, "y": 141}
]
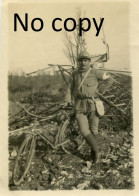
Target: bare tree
[{"x": 74, "y": 43}]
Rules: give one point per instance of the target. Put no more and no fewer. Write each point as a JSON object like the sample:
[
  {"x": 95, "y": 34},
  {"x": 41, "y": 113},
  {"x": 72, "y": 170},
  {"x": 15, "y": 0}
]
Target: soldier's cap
[{"x": 84, "y": 55}]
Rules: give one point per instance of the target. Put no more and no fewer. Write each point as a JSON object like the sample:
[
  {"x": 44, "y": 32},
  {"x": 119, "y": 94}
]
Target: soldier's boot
[{"x": 94, "y": 149}]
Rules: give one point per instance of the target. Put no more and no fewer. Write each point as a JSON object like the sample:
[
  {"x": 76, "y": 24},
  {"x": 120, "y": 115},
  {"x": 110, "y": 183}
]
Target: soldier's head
[{"x": 84, "y": 60}]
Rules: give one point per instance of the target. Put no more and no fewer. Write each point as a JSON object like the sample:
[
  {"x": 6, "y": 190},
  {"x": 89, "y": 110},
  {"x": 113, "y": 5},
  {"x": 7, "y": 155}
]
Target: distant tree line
[{"x": 40, "y": 82}]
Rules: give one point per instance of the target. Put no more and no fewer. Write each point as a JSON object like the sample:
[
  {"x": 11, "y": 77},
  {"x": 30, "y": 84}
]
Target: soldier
[{"x": 82, "y": 91}]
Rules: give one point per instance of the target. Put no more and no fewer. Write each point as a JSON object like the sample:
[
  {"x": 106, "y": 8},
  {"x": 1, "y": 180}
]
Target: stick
[
  {"x": 112, "y": 104},
  {"x": 37, "y": 71},
  {"x": 21, "y": 129},
  {"x": 63, "y": 75}
]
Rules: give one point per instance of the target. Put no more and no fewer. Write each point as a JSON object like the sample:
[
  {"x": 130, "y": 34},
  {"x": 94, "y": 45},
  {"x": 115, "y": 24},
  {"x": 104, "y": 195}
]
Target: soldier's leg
[
  {"x": 93, "y": 126},
  {"x": 83, "y": 123},
  {"x": 84, "y": 128},
  {"x": 93, "y": 122}
]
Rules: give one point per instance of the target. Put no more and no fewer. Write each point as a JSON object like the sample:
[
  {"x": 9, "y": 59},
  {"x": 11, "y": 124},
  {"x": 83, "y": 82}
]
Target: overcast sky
[{"x": 30, "y": 51}]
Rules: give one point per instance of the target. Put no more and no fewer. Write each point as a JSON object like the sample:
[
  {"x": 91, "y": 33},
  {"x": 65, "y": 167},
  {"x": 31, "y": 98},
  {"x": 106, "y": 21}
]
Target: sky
[{"x": 30, "y": 51}]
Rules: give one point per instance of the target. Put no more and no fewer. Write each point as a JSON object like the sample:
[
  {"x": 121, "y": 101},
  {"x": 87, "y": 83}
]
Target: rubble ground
[{"x": 56, "y": 170}]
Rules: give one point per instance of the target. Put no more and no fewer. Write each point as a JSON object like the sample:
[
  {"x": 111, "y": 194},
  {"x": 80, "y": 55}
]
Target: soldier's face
[{"x": 84, "y": 63}]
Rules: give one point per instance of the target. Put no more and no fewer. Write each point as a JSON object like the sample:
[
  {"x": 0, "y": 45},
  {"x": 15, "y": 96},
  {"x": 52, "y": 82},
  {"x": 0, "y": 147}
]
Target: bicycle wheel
[
  {"x": 69, "y": 130},
  {"x": 23, "y": 159}
]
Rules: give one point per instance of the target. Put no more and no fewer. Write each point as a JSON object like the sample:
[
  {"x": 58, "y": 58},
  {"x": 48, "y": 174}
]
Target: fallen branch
[
  {"x": 21, "y": 129},
  {"x": 112, "y": 104}
]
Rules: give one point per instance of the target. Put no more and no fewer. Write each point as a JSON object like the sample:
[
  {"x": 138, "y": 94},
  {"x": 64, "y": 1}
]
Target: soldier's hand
[{"x": 65, "y": 104}]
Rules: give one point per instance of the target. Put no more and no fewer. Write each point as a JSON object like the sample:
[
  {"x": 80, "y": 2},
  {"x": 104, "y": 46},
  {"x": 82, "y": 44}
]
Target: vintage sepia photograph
[{"x": 70, "y": 97}]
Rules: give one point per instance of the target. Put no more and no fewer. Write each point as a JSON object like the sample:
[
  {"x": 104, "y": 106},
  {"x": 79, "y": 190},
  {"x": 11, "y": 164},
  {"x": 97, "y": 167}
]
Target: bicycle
[
  {"x": 67, "y": 138},
  {"x": 69, "y": 129}
]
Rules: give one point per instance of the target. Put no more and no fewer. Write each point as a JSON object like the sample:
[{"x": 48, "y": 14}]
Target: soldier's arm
[{"x": 69, "y": 92}]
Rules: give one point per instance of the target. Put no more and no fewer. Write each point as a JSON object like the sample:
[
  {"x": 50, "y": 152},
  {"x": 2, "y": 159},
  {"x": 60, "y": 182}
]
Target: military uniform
[
  {"x": 86, "y": 115},
  {"x": 82, "y": 98}
]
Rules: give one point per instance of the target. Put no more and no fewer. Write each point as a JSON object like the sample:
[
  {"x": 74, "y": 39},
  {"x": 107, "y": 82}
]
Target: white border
[{"x": 134, "y": 51}]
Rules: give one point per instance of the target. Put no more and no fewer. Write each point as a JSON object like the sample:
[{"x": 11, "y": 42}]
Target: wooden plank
[
  {"x": 124, "y": 72},
  {"x": 109, "y": 96},
  {"x": 121, "y": 104}
]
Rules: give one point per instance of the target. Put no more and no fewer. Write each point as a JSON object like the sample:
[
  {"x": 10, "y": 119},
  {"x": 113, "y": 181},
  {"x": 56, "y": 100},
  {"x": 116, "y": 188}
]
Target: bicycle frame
[
  {"x": 34, "y": 130},
  {"x": 25, "y": 148}
]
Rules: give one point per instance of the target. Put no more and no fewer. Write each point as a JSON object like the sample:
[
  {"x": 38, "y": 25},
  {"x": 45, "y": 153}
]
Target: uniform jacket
[{"x": 90, "y": 88}]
